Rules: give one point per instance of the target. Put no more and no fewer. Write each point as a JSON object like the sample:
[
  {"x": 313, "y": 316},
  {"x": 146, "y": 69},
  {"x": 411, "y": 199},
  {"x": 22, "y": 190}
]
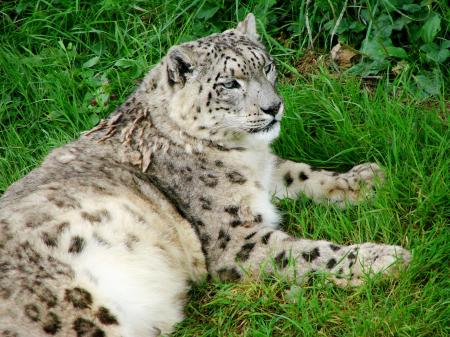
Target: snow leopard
[{"x": 106, "y": 236}]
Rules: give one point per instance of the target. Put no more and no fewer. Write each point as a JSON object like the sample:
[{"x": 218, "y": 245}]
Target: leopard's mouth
[{"x": 266, "y": 128}]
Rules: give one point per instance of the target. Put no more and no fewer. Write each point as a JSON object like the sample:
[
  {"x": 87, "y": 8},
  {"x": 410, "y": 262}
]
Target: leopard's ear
[
  {"x": 180, "y": 64},
  {"x": 248, "y": 27}
]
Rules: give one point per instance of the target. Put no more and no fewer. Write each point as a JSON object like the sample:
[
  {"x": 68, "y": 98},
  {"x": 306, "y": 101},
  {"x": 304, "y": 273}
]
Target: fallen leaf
[{"x": 344, "y": 56}]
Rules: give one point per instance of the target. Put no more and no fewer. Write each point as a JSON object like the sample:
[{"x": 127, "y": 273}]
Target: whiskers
[{"x": 239, "y": 124}]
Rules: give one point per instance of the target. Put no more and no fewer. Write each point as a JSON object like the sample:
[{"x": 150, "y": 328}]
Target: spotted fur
[{"x": 105, "y": 236}]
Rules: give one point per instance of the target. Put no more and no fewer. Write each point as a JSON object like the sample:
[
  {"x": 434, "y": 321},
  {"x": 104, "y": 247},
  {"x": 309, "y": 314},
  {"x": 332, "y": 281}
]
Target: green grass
[{"x": 65, "y": 65}]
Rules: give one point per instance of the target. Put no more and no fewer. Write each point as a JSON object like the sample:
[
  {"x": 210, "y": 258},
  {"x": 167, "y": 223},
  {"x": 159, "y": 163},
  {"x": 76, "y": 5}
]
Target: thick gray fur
[{"x": 177, "y": 184}]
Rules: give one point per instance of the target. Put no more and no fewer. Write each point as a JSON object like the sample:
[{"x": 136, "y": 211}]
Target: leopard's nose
[{"x": 273, "y": 109}]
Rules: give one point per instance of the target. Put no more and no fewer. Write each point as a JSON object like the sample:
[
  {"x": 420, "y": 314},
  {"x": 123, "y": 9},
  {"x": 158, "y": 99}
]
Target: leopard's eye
[
  {"x": 268, "y": 68},
  {"x": 232, "y": 84}
]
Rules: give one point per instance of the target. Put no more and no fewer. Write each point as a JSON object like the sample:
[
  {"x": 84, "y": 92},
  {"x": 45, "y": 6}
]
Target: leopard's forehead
[{"x": 229, "y": 47}]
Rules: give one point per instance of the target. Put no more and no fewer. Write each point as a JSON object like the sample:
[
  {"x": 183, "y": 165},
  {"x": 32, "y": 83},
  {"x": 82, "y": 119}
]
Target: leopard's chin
[{"x": 267, "y": 133}]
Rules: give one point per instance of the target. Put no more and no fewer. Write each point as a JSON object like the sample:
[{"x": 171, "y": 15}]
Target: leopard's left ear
[{"x": 248, "y": 27}]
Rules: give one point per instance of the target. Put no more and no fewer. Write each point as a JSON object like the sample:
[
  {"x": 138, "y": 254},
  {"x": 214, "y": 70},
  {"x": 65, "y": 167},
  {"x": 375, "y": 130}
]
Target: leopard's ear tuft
[
  {"x": 180, "y": 64},
  {"x": 248, "y": 27}
]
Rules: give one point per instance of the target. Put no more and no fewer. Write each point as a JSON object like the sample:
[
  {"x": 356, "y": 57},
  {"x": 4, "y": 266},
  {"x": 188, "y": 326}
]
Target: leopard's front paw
[
  {"x": 365, "y": 176},
  {"x": 370, "y": 259},
  {"x": 358, "y": 183},
  {"x": 385, "y": 259}
]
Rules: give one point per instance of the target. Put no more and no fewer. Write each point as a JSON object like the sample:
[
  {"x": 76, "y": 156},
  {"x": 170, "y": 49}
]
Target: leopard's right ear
[{"x": 180, "y": 64}]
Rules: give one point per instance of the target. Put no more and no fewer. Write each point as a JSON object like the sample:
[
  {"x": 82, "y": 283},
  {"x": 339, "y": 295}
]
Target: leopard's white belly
[
  {"x": 141, "y": 273},
  {"x": 132, "y": 256}
]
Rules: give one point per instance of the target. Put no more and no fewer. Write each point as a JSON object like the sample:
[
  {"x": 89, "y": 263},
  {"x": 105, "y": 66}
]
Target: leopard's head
[{"x": 223, "y": 87}]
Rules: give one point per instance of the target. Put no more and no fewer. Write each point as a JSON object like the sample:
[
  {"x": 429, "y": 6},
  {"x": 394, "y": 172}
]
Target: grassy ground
[{"x": 64, "y": 66}]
